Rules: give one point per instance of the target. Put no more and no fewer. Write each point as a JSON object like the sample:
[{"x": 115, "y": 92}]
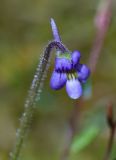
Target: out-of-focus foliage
[
  {"x": 85, "y": 138},
  {"x": 87, "y": 90},
  {"x": 24, "y": 30}
]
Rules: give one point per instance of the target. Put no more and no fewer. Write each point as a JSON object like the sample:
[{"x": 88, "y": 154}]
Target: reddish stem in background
[
  {"x": 73, "y": 127},
  {"x": 102, "y": 22},
  {"x": 110, "y": 144},
  {"x": 112, "y": 127}
]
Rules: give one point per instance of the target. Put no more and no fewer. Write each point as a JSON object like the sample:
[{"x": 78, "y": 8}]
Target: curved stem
[
  {"x": 57, "y": 45},
  {"x": 33, "y": 95}
]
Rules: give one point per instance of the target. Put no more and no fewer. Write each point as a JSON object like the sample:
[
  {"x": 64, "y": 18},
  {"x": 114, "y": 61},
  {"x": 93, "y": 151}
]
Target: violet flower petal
[
  {"x": 63, "y": 64},
  {"x": 57, "y": 80},
  {"x": 83, "y": 73},
  {"x": 75, "y": 57},
  {"x": 74, "y": 88}
]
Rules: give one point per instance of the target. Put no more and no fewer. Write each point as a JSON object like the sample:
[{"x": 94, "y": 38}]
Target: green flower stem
[
  {"x": 29, "y": 107},
  {"x": 34, "y": 94}
]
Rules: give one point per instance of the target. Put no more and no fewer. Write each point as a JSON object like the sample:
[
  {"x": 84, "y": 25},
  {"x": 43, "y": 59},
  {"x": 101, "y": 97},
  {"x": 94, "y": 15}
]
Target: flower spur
[{"x": 68, "y": 70}]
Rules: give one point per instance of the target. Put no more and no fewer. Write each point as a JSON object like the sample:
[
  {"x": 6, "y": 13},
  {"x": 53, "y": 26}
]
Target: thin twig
[
  {"x": 102, "y": 23},
  {"x": 112, "y": 127},
  {"x": 110, "y": 143},
  {"x": 72, "y": 129}
]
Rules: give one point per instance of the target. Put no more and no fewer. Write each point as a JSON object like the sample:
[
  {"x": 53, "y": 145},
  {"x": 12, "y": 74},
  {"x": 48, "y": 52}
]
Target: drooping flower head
[{"x": 68, "y": 70}]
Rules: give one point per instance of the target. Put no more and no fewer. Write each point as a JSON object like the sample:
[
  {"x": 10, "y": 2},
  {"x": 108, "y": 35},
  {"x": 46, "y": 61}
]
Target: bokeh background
[{"x": 24, "y": 31}]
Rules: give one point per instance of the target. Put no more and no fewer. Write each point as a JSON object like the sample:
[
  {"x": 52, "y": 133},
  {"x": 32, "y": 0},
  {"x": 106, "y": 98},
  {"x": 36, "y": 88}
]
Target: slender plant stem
[
  {"x": 102, "y": 22},
  {"x": 34, "y": 94},
  {"x": 72, "y": 129},
  {"x": 110, "y": 143},
  {"x": 112, "y": 126}
]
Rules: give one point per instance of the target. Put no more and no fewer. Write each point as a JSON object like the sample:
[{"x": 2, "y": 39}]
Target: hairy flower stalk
[
  {"x": 33, "y": 96},
  {"x": 68, "y": 71}
]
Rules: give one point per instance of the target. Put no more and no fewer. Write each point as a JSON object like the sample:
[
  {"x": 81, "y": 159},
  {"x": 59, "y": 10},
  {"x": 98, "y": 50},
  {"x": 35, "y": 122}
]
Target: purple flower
[{"x": 68, "y": 71}]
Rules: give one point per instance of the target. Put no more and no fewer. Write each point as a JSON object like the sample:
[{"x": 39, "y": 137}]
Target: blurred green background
[{"x": 24, "y": 31}]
